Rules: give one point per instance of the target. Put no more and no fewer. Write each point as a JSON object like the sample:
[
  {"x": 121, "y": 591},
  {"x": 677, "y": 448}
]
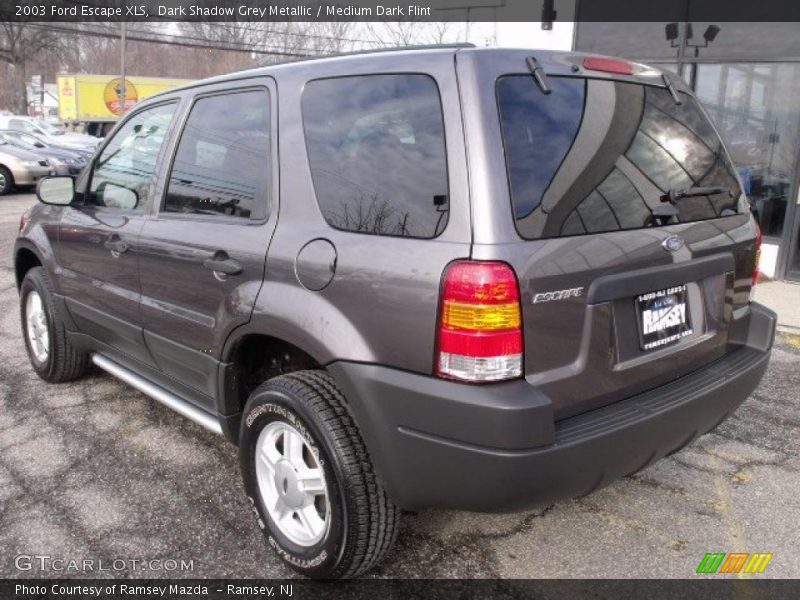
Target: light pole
[
  {"x": 549, "y": 15},
  {"x": 671, "y": 32}
]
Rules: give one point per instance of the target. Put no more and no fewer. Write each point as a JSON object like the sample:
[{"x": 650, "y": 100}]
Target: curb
[{"x": 788, "y": 329}]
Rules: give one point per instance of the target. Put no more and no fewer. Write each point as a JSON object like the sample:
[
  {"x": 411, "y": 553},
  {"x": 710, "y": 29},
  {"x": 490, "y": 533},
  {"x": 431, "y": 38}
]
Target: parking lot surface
[{"x": 95, "y": 470}]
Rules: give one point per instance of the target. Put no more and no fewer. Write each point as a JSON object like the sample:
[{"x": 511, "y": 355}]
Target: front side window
[
  {"x": 376, "y": 149},
  {"x": 222, "y": 163},
  {"x": 596, "y": 156},
  {"x": 125, "y": 168}
]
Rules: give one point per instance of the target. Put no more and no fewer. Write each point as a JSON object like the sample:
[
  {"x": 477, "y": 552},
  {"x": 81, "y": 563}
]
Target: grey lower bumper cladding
[{"x": 441, "y": 444}]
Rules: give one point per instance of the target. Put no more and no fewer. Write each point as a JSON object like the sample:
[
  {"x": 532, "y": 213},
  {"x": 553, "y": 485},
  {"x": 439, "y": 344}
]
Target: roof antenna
[{"x": 538, "y": 74}]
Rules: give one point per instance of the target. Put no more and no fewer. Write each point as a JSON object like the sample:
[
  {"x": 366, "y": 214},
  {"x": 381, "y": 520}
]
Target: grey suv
[{"x": 469, "y": 278}]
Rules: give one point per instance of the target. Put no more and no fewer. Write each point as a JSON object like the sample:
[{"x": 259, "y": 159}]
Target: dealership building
[{"x": 747, "y": 75}]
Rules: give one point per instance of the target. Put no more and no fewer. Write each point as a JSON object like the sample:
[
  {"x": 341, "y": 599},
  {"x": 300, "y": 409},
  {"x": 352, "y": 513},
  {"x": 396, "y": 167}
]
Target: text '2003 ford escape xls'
[{"x": 470, "y": 278}]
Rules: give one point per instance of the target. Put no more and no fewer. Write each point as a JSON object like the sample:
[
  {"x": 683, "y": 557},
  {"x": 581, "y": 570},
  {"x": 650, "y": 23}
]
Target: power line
[
  {"x": 267, "y": 51},
  {"x": 227, "y": 24},
  {"x": 246, "y": 45},
  {"x": 156, "y": 37},
  {"x": 306, "y": 35},
  {"x": 149, "y": 36},
  {"x": 172, "y": 42}
]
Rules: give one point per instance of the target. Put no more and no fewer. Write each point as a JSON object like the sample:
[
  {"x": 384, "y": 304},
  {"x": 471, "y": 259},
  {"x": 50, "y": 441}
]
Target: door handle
[
  {"x": 222, "y": 263},
  {"x": 116, "y": 245}
]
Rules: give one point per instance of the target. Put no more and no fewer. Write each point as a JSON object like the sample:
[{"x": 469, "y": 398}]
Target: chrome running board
[{"x": 159, "y": 394}]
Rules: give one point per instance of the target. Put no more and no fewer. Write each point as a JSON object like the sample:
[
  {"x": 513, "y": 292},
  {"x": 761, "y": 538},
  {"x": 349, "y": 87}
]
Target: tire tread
[
  {"x": 376, "y": 516},
  {"x": 67, "y": 363}
]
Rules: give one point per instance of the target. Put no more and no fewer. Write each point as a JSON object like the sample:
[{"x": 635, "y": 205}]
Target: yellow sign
[
  {"x": 67, "y": 107},
  {"x": 96, "y": 97},
  {"x": 112, "y": 96}
]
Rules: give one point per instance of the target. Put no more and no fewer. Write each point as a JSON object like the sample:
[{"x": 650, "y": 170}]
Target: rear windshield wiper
[
  {"x": 538, "y": 74},
  {"x": 672, "y": 196},
  {"x": 663, "y": 214}
]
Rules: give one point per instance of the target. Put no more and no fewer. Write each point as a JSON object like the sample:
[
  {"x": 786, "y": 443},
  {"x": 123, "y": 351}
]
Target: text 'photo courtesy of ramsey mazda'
[{"x": 451, "y": 277}]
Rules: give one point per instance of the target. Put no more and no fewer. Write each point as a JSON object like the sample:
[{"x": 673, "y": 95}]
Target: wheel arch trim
[{"x": 24, "y": 245}]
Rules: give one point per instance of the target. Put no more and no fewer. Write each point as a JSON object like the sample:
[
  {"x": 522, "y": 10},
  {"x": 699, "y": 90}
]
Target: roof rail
[
  {"x": 374, "y": 51},
  {"x": 412, "y": 47}
]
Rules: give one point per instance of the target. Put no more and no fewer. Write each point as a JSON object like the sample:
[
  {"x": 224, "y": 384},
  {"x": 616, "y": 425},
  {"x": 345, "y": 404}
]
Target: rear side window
[
  {"x": 222, "y": 164},
  {"x": 377, "y": 153},
  {"x": 596, "y": 156}
]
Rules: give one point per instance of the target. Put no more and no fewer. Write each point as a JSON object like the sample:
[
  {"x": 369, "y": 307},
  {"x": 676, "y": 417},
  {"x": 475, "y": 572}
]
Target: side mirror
[
  {"x": 58, "y": 191},
  {"x": 116, "y": 196}
]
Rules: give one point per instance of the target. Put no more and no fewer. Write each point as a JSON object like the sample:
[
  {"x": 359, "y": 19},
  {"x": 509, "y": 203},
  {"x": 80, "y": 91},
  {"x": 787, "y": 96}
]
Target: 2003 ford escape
[{"x": 470, "y": 278}]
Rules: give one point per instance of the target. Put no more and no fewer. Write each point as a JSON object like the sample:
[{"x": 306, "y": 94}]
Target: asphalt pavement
[{"x": 93, "y": 470}]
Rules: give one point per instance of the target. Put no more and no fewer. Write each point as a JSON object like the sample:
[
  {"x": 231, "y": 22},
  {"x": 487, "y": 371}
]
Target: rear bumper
[{"x": 496, "y": 447}]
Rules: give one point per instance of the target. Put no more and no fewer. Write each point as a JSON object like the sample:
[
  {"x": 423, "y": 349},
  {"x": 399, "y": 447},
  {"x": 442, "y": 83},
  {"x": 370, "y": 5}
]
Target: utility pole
[{"x": 123, "y": 93}]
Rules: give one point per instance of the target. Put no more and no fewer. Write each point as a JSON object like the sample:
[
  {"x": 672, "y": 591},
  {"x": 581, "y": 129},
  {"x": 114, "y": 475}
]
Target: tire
[
  {"x": 361, "y": 520},
  {"x": 6, "y": 181},
  {"x": 61, "y": 362}
]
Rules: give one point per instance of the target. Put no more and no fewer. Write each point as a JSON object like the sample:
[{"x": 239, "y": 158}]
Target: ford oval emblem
[{"x": 673, "y": 243}]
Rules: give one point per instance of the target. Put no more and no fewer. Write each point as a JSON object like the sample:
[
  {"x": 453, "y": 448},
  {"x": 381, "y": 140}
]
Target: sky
[
  {"x": 523, "y": 35},
  {"x": 505, "y": 34}
]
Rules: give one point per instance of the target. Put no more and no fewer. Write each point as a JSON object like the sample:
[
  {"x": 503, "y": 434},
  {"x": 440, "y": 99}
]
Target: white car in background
[
  {"x": 19, "y": 167},
  {"x": 52, "y": 134}
]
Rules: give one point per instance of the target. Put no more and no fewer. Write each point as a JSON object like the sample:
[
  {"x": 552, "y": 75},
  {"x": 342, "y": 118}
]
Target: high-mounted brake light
[
  {"x": 608, "y": 65},
  {"x": 480, "y": 323}
]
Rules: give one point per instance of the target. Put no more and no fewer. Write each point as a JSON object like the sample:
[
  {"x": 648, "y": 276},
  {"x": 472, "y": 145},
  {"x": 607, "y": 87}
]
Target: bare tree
[
  {"x": 397, "y": 33},
  {"x": 19, "y": 44},
  {"x": 371, "y": 215},
  {"x": 187, "y": 50},
  {"x": 444, "y": 32},
  {"x": 413, "y": 32}
]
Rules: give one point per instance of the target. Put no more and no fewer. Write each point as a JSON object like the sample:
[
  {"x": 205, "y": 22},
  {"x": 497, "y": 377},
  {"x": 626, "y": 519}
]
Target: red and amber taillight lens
[{"x": 480, "y": 324}]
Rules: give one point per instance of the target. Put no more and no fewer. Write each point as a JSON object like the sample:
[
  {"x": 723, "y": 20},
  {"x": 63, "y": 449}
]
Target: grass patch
[{"x": 791, "y": 339}]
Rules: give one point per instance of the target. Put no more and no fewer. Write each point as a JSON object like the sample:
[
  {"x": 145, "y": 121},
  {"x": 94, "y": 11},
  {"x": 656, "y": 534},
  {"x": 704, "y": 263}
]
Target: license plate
[{"x": 663, "y": 317}]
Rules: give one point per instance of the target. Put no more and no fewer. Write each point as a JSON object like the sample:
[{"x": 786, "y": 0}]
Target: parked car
[
  {"x": 64, "y": 162},
  {"x": 40, "y": 141},
  {"x": 477, "y": 279},
  {"x": 18, "y": 167},
  {"x": 52, "y": 134}
]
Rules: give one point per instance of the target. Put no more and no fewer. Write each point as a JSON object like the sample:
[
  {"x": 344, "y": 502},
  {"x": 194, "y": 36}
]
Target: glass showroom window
[{"x": 756, "y": 106}]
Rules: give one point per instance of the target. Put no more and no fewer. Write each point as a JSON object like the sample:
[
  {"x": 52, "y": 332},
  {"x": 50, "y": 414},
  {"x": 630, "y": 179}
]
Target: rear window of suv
[
  {"x": 377, "y": 153},
  {"x": 597, "y": 155}
]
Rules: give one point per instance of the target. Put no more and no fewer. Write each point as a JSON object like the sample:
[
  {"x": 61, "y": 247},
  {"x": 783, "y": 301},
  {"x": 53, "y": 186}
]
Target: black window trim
[
  {"x": 142, "y": 209},
  {"x": 222, "y": 219},
  {"x": 444, "y": 139}
]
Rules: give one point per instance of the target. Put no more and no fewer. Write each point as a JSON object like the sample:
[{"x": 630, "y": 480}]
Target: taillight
[
  {"x": 608, "y": 65},
  {"x": 756, "y": 269},
  {"x": 480, "y": 324}
]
